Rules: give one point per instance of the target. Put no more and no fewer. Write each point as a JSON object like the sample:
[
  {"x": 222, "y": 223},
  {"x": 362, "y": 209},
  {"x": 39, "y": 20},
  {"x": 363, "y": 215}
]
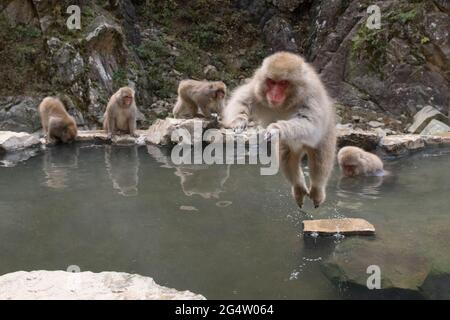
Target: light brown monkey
[
  {"x": 204, "y": 95},
  {"x": 120, "y": 114},
  {"x": 354, "y": 161},
  {"x": 286, "y": 95},
  {"x": 57, "y": 124}
]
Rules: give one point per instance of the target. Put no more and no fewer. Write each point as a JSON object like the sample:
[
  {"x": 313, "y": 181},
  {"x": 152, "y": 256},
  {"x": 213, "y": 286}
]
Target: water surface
[{"x": 223, "y": 231}]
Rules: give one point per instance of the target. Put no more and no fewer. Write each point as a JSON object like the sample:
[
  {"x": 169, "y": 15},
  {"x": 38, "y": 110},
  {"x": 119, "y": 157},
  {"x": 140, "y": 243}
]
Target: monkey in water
[
  {"x": 57, "y": 124},
  {"x": 354, "y": 161},
  {"x": 120, "y": 114},
  {"x": 286, "y": 96},
  {"x": 208, "y": 96}
]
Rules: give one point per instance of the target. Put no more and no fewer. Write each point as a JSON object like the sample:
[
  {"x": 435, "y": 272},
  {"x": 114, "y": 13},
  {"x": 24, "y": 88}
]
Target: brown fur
[
  {"x": 57, "y": 124},
  {"x": 204, "y": 95},
  {"x": 305, "y": 120},
  {"x": 120, "y": 117},
  {"x": 354, "y": 161}
]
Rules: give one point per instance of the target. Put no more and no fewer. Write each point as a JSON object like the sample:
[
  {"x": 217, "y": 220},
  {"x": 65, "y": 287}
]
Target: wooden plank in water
[{"x": 346, "y": 226}]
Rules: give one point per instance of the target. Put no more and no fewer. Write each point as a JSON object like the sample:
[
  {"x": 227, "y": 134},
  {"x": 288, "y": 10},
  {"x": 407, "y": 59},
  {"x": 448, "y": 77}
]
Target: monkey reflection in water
[
  {"x": 57, "y": 164},
  {"x": 207, "y": 181},
  {"x": 122, "y": 165}
]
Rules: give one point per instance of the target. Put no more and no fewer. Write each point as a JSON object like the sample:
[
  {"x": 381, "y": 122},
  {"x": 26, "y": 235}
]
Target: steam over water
[{"x": 222, "y": 231}]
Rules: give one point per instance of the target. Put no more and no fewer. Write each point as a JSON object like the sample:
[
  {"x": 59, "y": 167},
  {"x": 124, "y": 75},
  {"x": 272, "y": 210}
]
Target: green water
[{"x": 221, "y": 231}]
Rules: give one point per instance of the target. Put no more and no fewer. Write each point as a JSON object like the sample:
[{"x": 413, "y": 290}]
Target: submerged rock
[
  {"x": 399, "y": 270},
  {"x": 11, "y": 141},
  {"x": 346, "y": 226},
  {"x": 424, "y": 117},
  {"x": 62, "y": 285}
]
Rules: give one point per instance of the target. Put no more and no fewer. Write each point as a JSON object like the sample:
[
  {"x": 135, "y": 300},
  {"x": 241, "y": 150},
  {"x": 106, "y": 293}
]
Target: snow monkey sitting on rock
[
  {"x": 354, "y": 161},
  {"x": 120, "y": 114},
  {"x": 208, "y": 96},
  {"x": 57, "y": 124},
  {"x": 286, "y": 96}
]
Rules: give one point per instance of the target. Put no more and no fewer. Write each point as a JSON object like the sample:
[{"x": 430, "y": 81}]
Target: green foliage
[
  {"x": 370, "y": 45},
  {"x": 119, "y": 78},
  {"x": 405, "y": 17},
  {"x": 153, "y": 50},
  {"x": 424, "y": 40},
  {"x": 207, "y": 35},
  {"x": 22, "y": 58}
]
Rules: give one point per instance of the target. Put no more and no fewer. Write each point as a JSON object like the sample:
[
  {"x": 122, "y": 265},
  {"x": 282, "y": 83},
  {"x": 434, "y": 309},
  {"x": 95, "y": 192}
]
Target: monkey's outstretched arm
[{"x": 237, "y": 111}]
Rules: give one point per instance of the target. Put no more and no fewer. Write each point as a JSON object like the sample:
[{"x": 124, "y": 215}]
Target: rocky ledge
[
  {"x": 160, "y": 133},
  {"x": 62, "y": 285}
]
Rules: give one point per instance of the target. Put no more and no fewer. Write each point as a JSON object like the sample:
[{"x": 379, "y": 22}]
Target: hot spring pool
[{"x": 222, "y": 231}]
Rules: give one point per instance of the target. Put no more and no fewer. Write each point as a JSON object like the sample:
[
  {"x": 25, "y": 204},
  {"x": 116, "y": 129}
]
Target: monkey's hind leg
[
  {"x": 320, "y": 162},
  {"x": 290, "y": 165}
]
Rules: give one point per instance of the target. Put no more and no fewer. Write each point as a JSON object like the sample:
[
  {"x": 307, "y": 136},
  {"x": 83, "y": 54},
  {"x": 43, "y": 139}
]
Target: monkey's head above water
[
  {"x": 279, "y": 78},
  {"x": 126, "y": 96}
]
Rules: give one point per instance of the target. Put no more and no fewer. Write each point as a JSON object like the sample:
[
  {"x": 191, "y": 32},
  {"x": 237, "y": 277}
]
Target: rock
[
  {"x": 279, "y": 35},
  {"x": 368, "y": 140},
  {"x": 400, "y": 144},
  {"x": 20, "y": 12},
  {"x": 100, "y": 136},
  {"x": 210, "y": 72},
  {"x": 346, "y": 226},
  {"x": 12, "y": 141},
  {"x": 287, "y": 5},
  {"x": 375, "y": 124},
  {"x": 161, "y": 131},
  {"x": 67, "y": 62},
  {"x": 400, "y": 270},
  {"x": 424, "y": 117},
  {"x": 435, "y": 127},
  {"x": 19, "y": 114},
  {"x": 62, "y": 285},
  {"x": 106, "y": 50}
]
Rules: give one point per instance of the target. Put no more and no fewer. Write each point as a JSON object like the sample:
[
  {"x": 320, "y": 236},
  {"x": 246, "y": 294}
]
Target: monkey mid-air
[
  {"x": 57, "y": 124},
  {"x": 354, "y": 161},
  {"x": 120, "y": 114},
  {"x": 204, "y": 95},
  {"x": 286, "y": 95}
]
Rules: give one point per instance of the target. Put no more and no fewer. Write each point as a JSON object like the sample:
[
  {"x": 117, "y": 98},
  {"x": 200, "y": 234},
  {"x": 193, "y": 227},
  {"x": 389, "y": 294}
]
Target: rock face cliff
[{"x": 385, "y": 74}]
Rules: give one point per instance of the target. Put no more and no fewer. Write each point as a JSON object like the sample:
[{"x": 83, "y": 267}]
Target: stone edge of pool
[
  {"x": 160, "y": 132},
  {"x": 63, "y": 285}
]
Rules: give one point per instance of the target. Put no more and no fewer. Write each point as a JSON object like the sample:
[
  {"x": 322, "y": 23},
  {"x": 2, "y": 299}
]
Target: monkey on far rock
[
  {"x": 120, "y": 114},
  {"x": 208, "y": 96},
  {"x": 57, "y": 124}
]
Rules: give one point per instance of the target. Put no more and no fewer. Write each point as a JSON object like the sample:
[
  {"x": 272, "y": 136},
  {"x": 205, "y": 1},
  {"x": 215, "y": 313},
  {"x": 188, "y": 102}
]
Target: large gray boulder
[
  {"x": 435, "y": 127},
  {"x": 62, "y": 285},
  {"x": 12, "y": 141},
  {"x": 424, "y": 117},
  {"x": 19, "y": 114}
]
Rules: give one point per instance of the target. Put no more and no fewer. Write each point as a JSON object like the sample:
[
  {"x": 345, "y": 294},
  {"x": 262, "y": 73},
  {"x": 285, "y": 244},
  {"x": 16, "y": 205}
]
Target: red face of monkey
[
  {"x": 127, "y": 97},
  {"x": 276, "y": 91}
]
